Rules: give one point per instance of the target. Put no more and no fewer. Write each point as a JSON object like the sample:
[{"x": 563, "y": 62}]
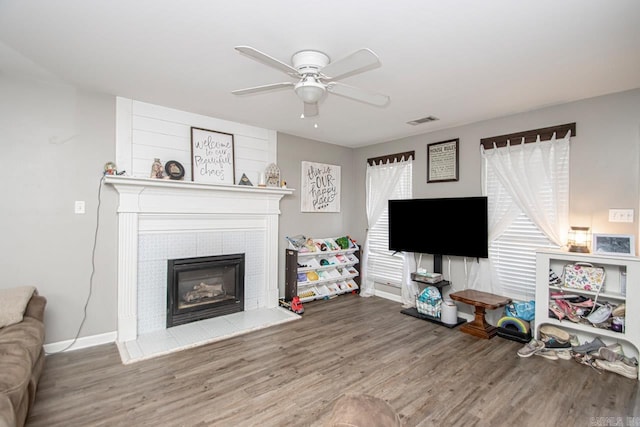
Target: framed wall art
[
  {"x": 442, "y": 161},
  {"x": 320, "y": 187},
  {"x": 613, "y": 244},
  {"x": 212, "y": 157}
]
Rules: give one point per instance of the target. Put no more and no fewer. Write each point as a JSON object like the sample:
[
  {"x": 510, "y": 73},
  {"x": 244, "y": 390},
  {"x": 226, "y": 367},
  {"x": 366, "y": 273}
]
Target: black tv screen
[{"x": 455, "y": 226}]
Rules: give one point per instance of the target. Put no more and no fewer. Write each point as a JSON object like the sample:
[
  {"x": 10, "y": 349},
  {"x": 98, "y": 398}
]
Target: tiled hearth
[
  {"x": 160, "y": 220},
  {"x": 194, "y": 334}
]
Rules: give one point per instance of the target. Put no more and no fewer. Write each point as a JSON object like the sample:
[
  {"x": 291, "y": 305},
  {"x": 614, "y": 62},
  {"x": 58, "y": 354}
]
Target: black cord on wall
[{"x": 93, "y": 271}]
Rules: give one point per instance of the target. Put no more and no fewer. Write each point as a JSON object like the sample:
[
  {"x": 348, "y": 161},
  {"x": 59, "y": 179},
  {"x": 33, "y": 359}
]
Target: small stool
[{"x": 481, "y": 301}]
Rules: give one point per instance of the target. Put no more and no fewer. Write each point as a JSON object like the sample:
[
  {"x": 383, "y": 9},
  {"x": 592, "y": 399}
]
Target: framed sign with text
[
  {"x": 212, "y": 159},
  {"x": 320, "y": 187},
  {"x": 442, "y": 161}
]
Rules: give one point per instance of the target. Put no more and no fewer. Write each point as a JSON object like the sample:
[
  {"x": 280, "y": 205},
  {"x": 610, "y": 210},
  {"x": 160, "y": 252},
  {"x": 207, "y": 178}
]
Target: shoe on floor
[
  {"x": 614, "y": 352},
  {"x": 531, "y": 348},
  {"x": 574, "y": 340},
  {"x": 588, "y": 347},
  {"x": 563, "y": 353},
  {"x": 611, "y": 352},
  {"x": 554, "y": 343},
  {"x": 618, "y": 367},
  {"x": 547, "y": 354},
  {"x": 555, "y": 332}
]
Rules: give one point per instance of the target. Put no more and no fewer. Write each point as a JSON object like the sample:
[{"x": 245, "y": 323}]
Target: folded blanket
[{"x": 13, "y": 303}]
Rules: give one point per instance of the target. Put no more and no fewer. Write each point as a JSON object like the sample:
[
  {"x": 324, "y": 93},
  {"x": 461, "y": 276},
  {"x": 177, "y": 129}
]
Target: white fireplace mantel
[{"x": 151, "y": 204}]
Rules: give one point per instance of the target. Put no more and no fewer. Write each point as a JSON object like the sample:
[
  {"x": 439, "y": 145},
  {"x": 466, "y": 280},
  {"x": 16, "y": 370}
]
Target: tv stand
[
  {"x": 437, "y": 268},
  {"x": 437, "y": 263}
]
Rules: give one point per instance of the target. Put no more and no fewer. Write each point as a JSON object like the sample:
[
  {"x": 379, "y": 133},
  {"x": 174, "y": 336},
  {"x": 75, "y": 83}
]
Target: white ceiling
[{"x": 461, "y": 61}]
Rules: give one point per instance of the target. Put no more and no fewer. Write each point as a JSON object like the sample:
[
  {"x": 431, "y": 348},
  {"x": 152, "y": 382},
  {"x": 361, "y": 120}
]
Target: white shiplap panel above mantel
[{"x": 147, "y": 131}]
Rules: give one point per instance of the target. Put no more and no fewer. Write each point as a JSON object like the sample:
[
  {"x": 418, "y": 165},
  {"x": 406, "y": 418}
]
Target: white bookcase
[
  {"x": 321, "y": 274},
  {"x": 622, "y": 285}
]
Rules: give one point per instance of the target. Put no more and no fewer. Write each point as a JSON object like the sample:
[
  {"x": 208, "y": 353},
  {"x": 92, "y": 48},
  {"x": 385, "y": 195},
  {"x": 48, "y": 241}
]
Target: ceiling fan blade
[
  {"x": 358, "y": 94},
  {"x": 263, "y": 88},
  {"x": 266, "y": 59},
  {"x": 358, "y": 62},
  {"x": 310, "y": 110}
]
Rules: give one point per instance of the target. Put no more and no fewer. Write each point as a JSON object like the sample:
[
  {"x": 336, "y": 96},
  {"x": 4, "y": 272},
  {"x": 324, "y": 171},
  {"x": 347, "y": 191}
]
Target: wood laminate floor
[{"x": 292, "y": 375}]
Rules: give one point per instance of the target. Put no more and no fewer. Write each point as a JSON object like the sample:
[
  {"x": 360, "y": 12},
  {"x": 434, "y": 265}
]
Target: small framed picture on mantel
[{"x": 442, "y": 161}]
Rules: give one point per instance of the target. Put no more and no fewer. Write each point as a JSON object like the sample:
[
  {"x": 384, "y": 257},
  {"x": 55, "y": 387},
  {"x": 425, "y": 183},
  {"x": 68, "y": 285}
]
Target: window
[
  {"x": 514, "y": 258},
  {"x": 382, "y": 265},
  {"x": 534, "y": 176}
]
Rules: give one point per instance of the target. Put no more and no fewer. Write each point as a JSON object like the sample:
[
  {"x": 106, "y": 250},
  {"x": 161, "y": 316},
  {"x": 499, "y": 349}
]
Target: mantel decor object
[
  {"x": 212, "y": 157},
  {"x": 174, "y": 170},
  {"x": 157, "y": 171},
  {"x": 110, "y": 168},
  {"x": 244, "y": 180},
  {"x": 272, "y": 175}
]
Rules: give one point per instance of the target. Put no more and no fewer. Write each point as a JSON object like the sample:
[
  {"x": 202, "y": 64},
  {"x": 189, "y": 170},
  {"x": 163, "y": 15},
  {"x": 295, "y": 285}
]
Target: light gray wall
[
  {"x": 292, "y": 150},
  {"x": 605, "y": 162},
  {"x": 55, "y": 141}
]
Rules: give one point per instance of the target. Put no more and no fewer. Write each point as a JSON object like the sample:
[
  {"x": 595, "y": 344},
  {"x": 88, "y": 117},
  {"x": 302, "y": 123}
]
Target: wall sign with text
[
  {"x": 212, "y": 160},
  {"x": 320, "y": 187},
  {"x": 442, "y": 161}
]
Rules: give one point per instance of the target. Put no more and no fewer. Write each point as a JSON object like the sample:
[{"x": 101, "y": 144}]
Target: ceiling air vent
[{"x": 422, "y": 120}]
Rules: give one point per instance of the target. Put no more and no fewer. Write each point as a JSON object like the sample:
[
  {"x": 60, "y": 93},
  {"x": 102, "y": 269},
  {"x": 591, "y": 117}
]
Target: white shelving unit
[
  {"x": 622, "y": 285},
  {"x": 321, "y": 274}
]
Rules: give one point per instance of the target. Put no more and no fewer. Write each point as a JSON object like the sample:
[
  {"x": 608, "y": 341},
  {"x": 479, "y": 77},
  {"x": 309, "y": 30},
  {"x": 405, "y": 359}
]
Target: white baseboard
[
  {"x": 84, "y": 342},
  {"x": 388, "y": 295}
]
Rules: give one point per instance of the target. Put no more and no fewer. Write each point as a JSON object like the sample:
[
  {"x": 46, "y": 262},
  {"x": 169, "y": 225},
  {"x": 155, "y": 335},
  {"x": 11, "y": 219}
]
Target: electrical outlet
[
  {"x": 620, "y": 215},
  {"x": 79, "y": 207}
]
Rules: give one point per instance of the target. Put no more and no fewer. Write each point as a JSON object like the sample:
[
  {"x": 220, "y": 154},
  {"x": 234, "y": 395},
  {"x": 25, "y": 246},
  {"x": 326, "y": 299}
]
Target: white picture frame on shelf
[{"x": 613, "y": 244}]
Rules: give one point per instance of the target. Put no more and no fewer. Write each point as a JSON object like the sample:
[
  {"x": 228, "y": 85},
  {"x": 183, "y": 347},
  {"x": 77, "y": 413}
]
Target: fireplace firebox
[{"x": 204, "y": 287}]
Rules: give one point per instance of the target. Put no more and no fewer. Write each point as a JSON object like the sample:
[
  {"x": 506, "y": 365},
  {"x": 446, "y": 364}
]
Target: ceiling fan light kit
[
  {"x": 309, "y": 90},
  {"x": 317, "y": 75}
]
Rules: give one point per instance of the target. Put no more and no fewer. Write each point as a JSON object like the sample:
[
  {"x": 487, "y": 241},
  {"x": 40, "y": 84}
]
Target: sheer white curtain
[
  {"x": 533, "y": 179},
  {"x": 409, "y": 288},
  {"x": 381, "y": 182}
]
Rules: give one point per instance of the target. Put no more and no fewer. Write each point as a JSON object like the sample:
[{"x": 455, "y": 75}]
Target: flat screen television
[{"x": 455, "y": 226}]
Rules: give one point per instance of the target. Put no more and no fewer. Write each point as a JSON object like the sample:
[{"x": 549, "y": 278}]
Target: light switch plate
[
  {"x": 620, "y": 215},
  {"x": 79, "y": 207}
]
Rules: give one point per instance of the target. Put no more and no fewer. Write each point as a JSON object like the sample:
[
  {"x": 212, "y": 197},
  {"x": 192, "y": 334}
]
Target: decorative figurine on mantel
[
  {"x": 110, "y": 168},
  {"x": 174, "y": 170},
  {"x": 273, "y": 175},
  {"x": 157, "y": 171},
  {"x": 245, "y": 180}
]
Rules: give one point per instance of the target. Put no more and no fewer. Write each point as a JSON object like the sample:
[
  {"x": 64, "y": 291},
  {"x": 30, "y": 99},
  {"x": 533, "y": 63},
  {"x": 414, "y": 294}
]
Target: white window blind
[
  {"x": 514, "y": 257},
  {"x": 383, "y": 266}
]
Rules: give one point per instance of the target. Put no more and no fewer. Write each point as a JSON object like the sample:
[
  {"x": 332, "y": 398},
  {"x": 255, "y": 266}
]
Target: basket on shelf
[{"x": 429, "y": 302}]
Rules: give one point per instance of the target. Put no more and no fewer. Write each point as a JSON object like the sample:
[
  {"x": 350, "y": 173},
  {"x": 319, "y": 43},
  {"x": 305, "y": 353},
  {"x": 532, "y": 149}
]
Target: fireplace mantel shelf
[{"x": 116, "y": 180}]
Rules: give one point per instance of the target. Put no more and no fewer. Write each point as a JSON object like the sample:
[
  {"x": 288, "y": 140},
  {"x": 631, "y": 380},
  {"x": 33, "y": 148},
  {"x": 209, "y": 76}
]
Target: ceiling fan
[{"x": 317, "y": 75}]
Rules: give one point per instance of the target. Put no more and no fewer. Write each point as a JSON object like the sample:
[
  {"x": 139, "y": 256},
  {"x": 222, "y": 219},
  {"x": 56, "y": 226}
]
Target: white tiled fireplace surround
[{"x": 160, "y": 220}]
